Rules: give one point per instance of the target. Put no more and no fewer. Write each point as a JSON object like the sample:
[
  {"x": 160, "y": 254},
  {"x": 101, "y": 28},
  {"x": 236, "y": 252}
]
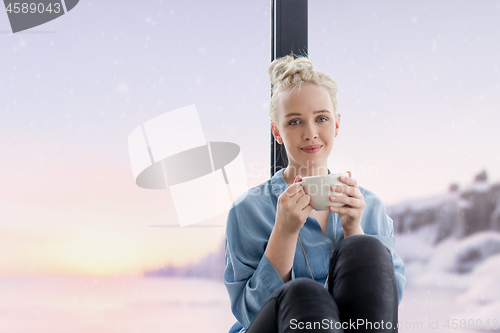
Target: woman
[{"x": 278, "y": 247}]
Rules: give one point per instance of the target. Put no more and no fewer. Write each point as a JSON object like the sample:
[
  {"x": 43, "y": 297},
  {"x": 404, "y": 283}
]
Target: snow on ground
[
  {"x": 456, "y": 281},
  {"x": 486, "y": 286},
  {"x": 427, "y": 309}
]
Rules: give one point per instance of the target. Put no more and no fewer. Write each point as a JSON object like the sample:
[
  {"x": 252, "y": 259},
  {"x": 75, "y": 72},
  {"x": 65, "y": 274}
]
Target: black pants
[{"x": 362, "y": 295}]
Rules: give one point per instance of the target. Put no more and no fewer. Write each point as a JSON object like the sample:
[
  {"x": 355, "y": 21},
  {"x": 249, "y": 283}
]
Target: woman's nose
[{"x": 311, "y": 132}]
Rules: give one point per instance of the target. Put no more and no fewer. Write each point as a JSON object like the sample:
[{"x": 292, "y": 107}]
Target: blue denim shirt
[{"x": 249, "y": 276}]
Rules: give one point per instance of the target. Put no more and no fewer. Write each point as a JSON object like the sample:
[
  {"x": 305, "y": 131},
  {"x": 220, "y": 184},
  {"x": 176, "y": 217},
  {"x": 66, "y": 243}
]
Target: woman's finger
[
  {"x": 299, "y": 196},
  {"x": 350, "y": 201},
  {"x": 349, "y": 180},
  {"x": 304, "y": 201},
  {"x": 300, "y": 191},
  {"x": 343, "y": 210},
  {"x": 354, "y": 212},
  {"x": 349, "y": 190},
  {"x": 293, "y": 189}
]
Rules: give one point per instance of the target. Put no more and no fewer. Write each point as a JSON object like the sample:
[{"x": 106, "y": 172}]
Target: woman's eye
[{"x": 296, "y": 121}]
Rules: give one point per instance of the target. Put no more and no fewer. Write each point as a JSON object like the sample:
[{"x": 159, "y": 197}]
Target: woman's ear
[
  {"x": 276, "y": 133},
  {"x": 337, "y": 124}
]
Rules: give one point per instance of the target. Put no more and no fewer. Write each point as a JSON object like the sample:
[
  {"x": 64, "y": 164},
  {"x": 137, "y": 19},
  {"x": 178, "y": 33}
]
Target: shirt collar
[{"x": 278, "y": 184}]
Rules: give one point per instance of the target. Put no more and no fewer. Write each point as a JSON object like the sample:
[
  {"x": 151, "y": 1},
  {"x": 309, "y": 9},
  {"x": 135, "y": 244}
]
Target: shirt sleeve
[
  {"x": 399, "y": 267},
  {"x": 377, "y": 223},
  {"x": 249, "y": 276}
]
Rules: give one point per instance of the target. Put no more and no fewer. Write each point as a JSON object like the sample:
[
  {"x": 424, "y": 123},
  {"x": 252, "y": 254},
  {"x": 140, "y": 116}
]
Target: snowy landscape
[{"x": 452, "y": 243}]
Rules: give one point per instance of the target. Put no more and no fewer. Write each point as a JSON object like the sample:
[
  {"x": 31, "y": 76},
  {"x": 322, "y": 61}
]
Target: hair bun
[
  {"x": 290, "y": 70},
  {"x": 287, "y": 73}
]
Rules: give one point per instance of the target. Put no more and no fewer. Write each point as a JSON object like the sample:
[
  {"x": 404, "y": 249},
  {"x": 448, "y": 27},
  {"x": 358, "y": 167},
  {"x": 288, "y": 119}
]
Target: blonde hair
[{"x": 287, "y": 73}]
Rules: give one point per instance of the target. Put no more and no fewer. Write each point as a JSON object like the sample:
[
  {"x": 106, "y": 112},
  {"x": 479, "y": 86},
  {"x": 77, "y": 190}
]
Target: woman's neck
[{"x": 290, "y": 173}]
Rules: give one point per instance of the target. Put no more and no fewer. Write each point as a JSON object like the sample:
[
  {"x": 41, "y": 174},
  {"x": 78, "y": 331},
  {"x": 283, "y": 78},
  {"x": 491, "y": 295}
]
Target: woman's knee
[
  {"x": 363, "y": 244},
  {"x": 302, "y": 288},
  {"x": 363, "y": 250},
  {"x": 305, "y": 300},
  {"x": 367, "y": 241}
]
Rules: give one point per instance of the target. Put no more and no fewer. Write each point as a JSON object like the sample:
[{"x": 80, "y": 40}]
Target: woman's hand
[
  {"x": 350, "y": 214},
  {"x": 293, "y": 208},
  {"x": 291, "y": 213}
]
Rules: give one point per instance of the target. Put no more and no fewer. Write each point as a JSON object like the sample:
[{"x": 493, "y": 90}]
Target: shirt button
[{"x": 331, "y": 251}]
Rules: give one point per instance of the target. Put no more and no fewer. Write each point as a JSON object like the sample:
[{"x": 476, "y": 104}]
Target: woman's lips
[{"x": 311, "y": 150}]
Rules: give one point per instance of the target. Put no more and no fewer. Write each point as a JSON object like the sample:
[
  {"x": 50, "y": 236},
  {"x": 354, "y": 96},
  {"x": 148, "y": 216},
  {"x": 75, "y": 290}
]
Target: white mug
[{"x": 319, "y": 188}]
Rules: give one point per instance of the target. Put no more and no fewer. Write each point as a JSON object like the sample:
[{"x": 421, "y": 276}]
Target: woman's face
[{"x": 306, "y": 119}]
